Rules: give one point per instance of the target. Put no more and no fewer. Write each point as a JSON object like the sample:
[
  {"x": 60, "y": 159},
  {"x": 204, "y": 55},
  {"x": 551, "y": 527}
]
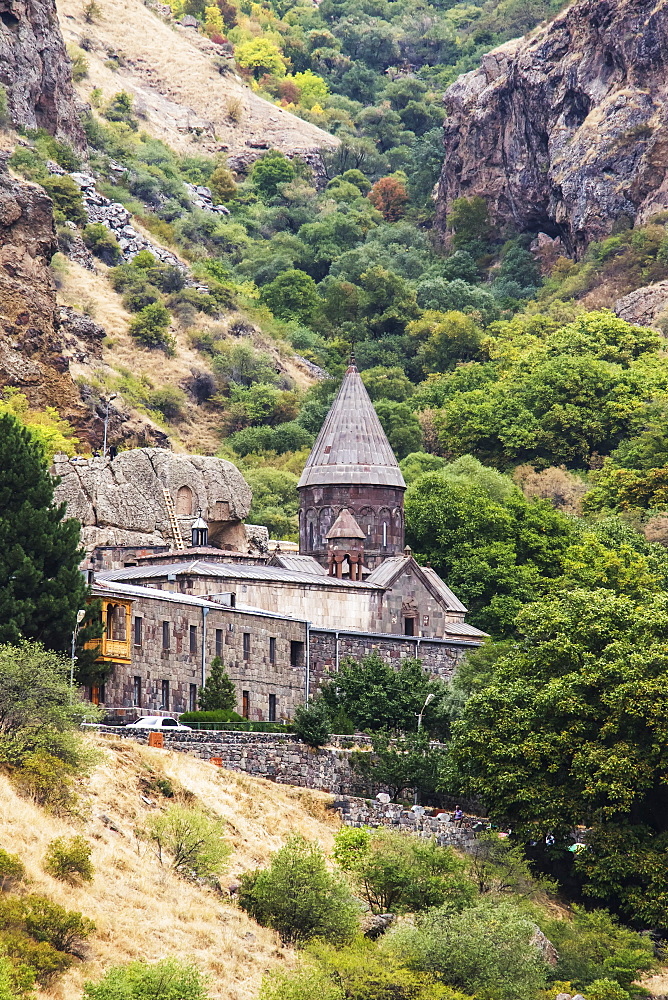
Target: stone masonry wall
[
  {"x": 247, "y": 661},
  {"x": 439, "y": 657},
  {"x": 280, "y": 758}
]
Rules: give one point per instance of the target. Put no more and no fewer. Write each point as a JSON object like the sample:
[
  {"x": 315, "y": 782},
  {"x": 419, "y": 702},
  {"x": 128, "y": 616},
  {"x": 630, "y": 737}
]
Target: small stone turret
[{"x": 345, "y": 547}]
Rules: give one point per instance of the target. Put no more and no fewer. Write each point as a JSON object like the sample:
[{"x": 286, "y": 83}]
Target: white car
[{"x": 158, "y": 722}]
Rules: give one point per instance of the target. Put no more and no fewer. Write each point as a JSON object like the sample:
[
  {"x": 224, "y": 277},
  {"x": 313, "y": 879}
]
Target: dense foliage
[{"x": 41, "y": 588}]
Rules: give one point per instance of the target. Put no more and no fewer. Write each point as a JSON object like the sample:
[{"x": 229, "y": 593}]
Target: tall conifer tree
[
  {"x": 219, "y": 692},
  {"x": 41, "y": 588}
]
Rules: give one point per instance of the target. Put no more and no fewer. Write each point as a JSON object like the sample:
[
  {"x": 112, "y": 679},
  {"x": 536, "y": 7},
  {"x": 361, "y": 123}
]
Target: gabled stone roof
[
  {"x": 345, "y": 526},
  {"x": 352, "y": 447}
]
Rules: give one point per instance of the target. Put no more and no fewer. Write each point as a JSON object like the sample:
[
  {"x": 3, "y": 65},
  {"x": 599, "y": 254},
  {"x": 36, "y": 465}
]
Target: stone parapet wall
[
  {"x": 358, "y": 812},
  {"x": 280, "y": 758}
]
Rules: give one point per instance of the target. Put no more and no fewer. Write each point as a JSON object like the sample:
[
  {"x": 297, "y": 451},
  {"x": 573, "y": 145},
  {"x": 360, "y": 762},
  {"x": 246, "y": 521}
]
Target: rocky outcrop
[
  {"x": 33, "y": 353},
  {"x": 122, "y": 501},
  {"x": 35, "y": 70},
  {"x": 565, "y": 132},
  {"x": 645, "y": 306}
]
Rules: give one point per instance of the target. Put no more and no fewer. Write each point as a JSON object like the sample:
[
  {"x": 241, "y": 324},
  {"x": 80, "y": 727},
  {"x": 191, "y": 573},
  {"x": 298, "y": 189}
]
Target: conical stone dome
[{"x": 352, "y": 447}]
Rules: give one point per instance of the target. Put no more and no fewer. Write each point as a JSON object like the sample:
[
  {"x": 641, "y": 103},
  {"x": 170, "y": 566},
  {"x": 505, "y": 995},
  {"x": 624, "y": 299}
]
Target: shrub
[
  {"x": 311, "y": 723},
  {"x": 102, "y": 242},
  {"x": 4, "y": 108},
  {"x": 39, "y": 744},
  {"x": 306, "y": 984},
  {"x": 192, "y": 840},
  {"x": 485, "y": 950},
  {"x": 222, "y": 715},
  {"x": 68, "y": 859},
  {"x": 65, "y": 930},
  {"x": 299, "y": 897},
  {"x": 67, "y": 200},
  {"x": 594, "y": 946},
  {"x": 219, "y": 692},
  {"x": 270, "y": 171},
  {"x": 12, "y": 870},
  {"x": 394, "y": 873},
  {"x": 169, "y": 979},
  {"x": 79, "y": 63},
  {"x": 606, "y": 989},
  {"x": 150, "y": 327},
  {"x": 221, "y": 182},
  {"x": 168, "y": 400},
  {"x": 144, "y": 260}
]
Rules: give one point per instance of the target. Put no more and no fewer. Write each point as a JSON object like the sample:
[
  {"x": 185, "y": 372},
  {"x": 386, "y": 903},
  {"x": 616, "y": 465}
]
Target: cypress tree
[
  {"x": 218, "y": 691},
  {"x": 41, "y": 588}
]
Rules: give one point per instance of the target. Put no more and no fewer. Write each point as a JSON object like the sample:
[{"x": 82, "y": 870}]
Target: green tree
[
  {"x": 39, "y": 718},
  {"x": 222, "y": 184},
  {"x": 485, "y": 950},
  {"x": 169, "y": 979},
  {"x": 574, "y": 720},
  {"x": 219, "y": 691},
  {"x": 400, "y": 763},
  {"x": 445, "y": 339},
  {"x": 311, "y": 723},
  {"x": 299, "y": 897},
  {"x": 41, "y": 588},
  {"x": 417, "y": 463},
  {"x": 468, "y": 220},
  {"x": 497, "y": 556},
  {"x": 401, "y": 426},
  {"x": 292, "y": 295},
  {"x": 67, "y": 199},
  {"x": 387, "y": 383},
  {"x": 260, "y": 56},
  {"x": 394, "y": 873},
  {"x": 374, "y": 695},
  {"x": 270, "y": 171}
]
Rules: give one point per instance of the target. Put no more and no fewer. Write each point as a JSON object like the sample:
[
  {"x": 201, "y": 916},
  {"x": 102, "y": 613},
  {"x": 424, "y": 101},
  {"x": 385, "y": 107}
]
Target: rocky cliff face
[
  {"x": 565, "y": 132},
  {"x": 35, "y": 70},
  {"x": 32, "y": 341},
  {"x": 122, "y": 502}
]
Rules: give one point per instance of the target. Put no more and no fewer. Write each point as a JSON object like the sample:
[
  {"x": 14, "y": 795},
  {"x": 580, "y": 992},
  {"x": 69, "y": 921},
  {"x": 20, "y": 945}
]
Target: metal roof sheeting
[
  {"x": 231, "y": 571},
  {"x": 352, "y": 447}
]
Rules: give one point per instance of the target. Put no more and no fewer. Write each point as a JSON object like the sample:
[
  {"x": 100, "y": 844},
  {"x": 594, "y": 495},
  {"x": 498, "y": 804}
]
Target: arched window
[
  {"x": 184, "y": 502},
  {"x": 310, "y": 536}
]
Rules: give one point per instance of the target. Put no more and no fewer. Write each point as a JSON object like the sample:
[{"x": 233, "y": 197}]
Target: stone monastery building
[{"x": 183, "y": 579}]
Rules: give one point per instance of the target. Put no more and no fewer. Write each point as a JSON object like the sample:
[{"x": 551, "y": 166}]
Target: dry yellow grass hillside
[
  {"x": 171, "y": 73},
  {"x": 141, "y": 909}
]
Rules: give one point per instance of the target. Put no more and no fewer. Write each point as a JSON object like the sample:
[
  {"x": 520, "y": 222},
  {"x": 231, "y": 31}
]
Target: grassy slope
[
  {"x": 141, "y": 909},
  {"x": 171, "y": 73}
]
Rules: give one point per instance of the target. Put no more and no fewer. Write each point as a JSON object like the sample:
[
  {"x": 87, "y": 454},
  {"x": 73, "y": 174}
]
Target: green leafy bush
[
  {"x": 102, "y": 242},
  {"x": 150, "y": 327},
  {"x": 594, "y": 947},
  {"x": 221, "y": 715},
  {"x": 4, "y": 108},
  {"x": 68, "y": 859},
  {"x": 311, "y": 723},
  {"x": 67, "y": 199},
  {"x": 299, "y": 897},
  {"x": 168, "y": 400},
  {"x": 191, "y": 841},
  {"x": 40, "y": 938},
  {"x": 12, "y": 870},
  {"x": 169, "y": 979},
  {"x": 394, "y": 873},
  {"x": 485, "y": 950},
  {"x": 40, "y": 746}
]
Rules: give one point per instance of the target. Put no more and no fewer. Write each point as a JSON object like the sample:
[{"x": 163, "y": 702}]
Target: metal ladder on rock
[{"x": 176, "y": 529}]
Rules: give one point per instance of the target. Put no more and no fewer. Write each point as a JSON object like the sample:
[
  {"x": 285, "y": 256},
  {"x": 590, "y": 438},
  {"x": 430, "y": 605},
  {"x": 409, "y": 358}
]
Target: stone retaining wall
[
  {"x": 280, "y": 758},
  {"x": 358, "y": 812}
]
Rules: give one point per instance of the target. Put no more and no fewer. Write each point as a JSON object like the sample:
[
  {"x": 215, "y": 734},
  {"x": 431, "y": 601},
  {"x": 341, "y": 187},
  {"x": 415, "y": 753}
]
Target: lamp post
[
  {"x": 428, "y": 700},
  {"x": 81, "y": 614},
  {"x": 114, "y": 395}
]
